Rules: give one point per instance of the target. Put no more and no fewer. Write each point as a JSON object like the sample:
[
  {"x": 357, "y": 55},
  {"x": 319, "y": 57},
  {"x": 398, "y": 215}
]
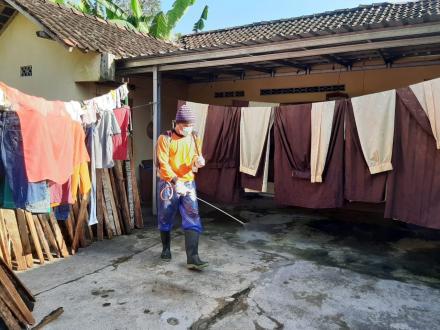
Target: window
[{"x": 26, "y": 71}]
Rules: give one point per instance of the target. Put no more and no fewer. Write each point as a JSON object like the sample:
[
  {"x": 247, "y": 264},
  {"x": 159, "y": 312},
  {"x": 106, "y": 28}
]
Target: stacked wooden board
[
  {"x": 16, "y": 302},
  {"x": 27, "y": 239}
]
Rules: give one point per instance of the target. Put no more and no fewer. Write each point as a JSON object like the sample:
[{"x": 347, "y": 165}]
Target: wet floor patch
[{"x": 360, "y": 242}]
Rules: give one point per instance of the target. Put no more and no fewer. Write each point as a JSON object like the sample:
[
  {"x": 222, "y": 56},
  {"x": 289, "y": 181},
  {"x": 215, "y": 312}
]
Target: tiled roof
[
  {"x": 90, "y": 33},
  {"x": 346, "y": 20}
]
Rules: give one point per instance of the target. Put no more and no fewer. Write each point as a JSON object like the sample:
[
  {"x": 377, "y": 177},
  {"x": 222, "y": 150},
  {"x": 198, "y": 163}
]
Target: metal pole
[{"x": 156, "y": 124}]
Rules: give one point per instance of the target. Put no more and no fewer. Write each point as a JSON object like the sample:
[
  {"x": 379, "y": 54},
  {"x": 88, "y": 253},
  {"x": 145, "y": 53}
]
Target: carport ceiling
[{"x": 306, "y": 64}]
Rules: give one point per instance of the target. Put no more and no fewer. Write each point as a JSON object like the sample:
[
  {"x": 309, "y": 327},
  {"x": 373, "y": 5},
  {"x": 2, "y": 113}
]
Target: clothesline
[{"x": 330, "y": 153}]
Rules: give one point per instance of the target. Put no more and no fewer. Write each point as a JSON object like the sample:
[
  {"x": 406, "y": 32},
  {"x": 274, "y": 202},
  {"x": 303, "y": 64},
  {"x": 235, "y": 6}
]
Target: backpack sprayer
[{"x": 170, "y": 188}]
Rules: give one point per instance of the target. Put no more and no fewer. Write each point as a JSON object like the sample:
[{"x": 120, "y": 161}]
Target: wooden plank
[
  {"x": 137, "y": 201},
  {"x": 34, "y": 236},
  {"x": 24, "y": 292},
  {"x": 108, "y": 228},
  {"x": 4, "y": 241},
  {"x": 49, "y": 234},
  {"x": 49, "y": 318},
  {"x": 99, "y": 208},
  {"x": 14, "y": 235},
  {"x": 79, "y": 228},
  {"x": 7, "y": 317},
  {"x": 129, "y": 190},
  {"x": 122, "y": 196},
  {"x": 116, "y": 199},
  {"x": 42, "y": 238},
  {"x": 20, "y": 309},
  {"x": 70, "y": 230},
  {"x": 62, "y": 246},
  {"x": 24, "y": 235},
  {"x": 110, "y": 203}
]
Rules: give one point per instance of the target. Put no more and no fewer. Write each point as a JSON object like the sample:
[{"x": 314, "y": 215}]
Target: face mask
[{"x": 187, "y": 131}]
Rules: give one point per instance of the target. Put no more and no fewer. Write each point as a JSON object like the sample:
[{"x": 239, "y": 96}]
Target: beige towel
[
  {"x": 254, "y": 128},
  {"x": 262, "y": 104},
  {"x": 322, "y": 121},
  {"x": 374, "y": 116},
  {"x": 201, "y": 112},
  {"x": 428, "y": 94}
]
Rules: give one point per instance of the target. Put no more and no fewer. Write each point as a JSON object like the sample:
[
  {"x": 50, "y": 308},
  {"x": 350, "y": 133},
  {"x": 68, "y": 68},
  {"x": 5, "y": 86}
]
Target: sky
[{"x": 227, "y": 13}]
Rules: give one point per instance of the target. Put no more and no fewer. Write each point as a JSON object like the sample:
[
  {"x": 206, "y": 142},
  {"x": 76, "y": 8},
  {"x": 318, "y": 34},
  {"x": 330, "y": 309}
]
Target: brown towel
[
  {"x": 413, "y": 188},
  {"x": 292, "y": 159},
  {"x": 360, "y": 185},
  {"x": 219, "y": 180}
]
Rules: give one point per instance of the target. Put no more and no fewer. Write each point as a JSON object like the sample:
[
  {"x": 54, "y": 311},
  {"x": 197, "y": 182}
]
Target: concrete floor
[{"x": 287, "y": 269}]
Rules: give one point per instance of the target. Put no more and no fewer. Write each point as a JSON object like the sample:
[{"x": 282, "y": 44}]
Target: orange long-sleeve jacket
[{"x": 176, "y": 156}]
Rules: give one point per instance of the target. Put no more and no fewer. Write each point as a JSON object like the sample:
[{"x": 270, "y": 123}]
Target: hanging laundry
[
  {"x": 6, "y": 198},
  {"x": 220, "y": 178},
  {"x": 120, "y": 141},
  {"x": 413, "y": 188},
  {"x": 34, "y": 197},
  {"x": 428, "y": 95},
  {"x": 360, "y": 185},
  {"x": 91, "y": 147},
  {"x": 48, "y": 150},
  {"x": 201, "y": 112},
  {"x": 254, "y": 129},
  {"x": 255, "y": 126},
  {"x": 90, "y": 113},
  {"x": 75, "y": 110},
  {"x": 321, "y": 121},
  {"x": 103, "y": 133},
  {"x": 60, "y": 193},
  {"x": 292, "y": 159},
  {"x": 374, "y": 115}
]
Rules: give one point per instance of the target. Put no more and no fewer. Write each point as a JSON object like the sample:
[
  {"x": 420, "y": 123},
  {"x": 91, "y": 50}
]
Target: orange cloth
[
  {"x": 47, "y": 143},
  {"x": 176, "y": 156}
]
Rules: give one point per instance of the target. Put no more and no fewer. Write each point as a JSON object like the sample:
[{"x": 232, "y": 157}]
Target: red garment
[
  {"x": 47, "y": 143},
  {"x": 120, "y": 141},
  {"x": 60, "y": 194}
]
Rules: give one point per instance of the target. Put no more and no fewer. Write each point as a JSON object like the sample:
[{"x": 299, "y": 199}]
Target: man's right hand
[{"x": 181, "y": 189}]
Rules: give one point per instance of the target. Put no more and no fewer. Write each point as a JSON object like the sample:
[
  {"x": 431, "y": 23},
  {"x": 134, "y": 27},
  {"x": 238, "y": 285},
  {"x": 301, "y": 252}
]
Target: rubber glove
[
  {"x": 200, "y": 161},
  {"x": 181, "y": 189}
]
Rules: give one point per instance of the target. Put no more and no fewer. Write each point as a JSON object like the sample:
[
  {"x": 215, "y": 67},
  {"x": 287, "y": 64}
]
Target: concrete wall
[
  {"x": 56, "y": 71},
  {"x": 357, "y": 83}
]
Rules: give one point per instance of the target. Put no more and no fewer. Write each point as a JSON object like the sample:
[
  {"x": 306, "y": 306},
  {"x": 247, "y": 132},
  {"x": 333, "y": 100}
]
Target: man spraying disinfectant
[{"x": 178, "y": 157}]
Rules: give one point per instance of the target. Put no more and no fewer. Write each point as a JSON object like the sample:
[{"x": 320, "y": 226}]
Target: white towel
[
  {"x": 201, "y": 112},
  {"x": 428, "y": 94},
  {"x": 322, "y": 121},
  {"x": 254, "y": 128},
  {"x": 374, "y": 115}
]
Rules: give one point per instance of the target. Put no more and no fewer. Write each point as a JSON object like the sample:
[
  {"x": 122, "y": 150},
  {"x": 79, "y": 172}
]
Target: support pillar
[{"x": 156, "y": 124}]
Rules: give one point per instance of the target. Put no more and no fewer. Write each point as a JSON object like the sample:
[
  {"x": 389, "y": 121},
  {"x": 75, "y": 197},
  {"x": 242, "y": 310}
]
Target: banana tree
[
  {"x": 159, "y": 25},
  {"x": 200, "y": 24}
]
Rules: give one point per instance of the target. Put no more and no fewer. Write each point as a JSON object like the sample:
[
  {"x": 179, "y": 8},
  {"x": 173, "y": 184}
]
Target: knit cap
[{"x": 185, "y": 114}]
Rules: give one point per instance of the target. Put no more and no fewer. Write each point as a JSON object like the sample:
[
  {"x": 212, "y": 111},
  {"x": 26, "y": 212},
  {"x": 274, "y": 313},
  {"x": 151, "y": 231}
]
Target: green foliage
[
  {"x": 159, "y": 25},
  {"x": 200, "y": 24}
]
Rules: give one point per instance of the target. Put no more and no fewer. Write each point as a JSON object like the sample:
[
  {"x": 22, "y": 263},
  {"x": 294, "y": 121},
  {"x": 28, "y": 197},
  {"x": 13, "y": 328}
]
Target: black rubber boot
[
  {"x": 192, "y": 251},
  {"x": 165, "y": 236}
]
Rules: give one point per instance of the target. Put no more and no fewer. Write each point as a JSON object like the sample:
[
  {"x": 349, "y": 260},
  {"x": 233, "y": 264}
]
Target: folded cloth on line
[
  {"x": 120, "y": 141},
  {"x": 359, "y": 184},
  {"x": 48, "y": 150},
  {"x": 321, "y": 121},
  {"x": 292, "y": 159},
  {"x": 428, "y": 95},
  {"x": 374, "y": 116},
  {"x": 255, "y": 123},
  {"x": 413, "y": 187}
]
